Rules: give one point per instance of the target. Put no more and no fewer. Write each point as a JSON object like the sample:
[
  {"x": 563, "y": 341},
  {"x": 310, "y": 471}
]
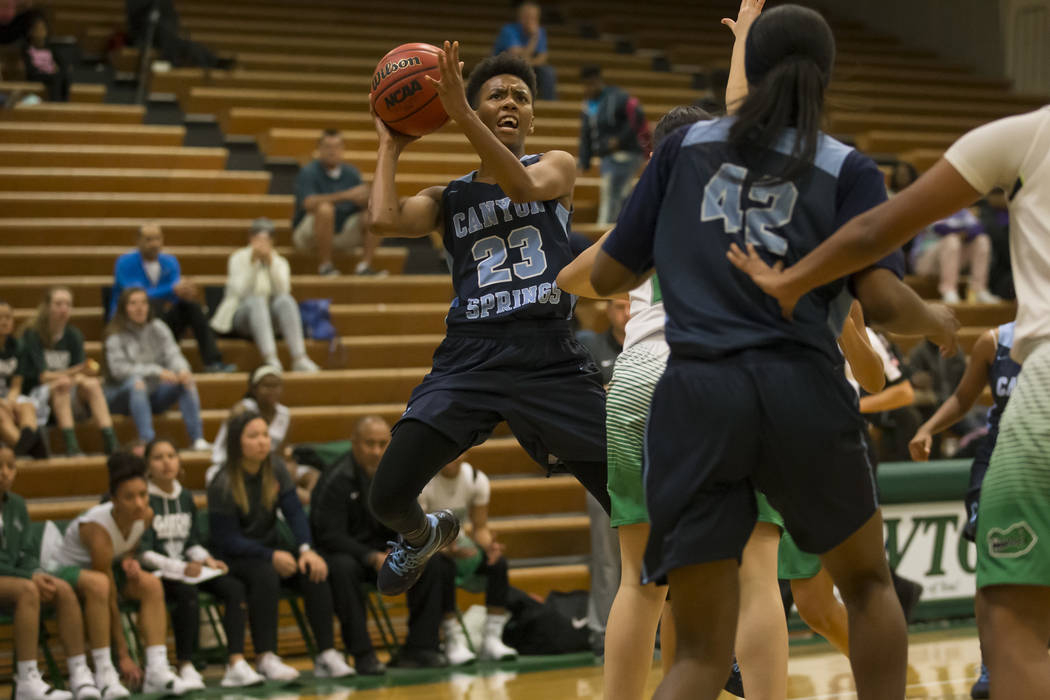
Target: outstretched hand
[
  {"x": 749, "y": 11},
  {"x": 450, "y": 87},
  {"x": 769, "y": 278}
]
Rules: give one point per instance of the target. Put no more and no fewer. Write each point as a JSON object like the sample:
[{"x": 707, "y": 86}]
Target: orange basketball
[{"x": 403, "y": 98}]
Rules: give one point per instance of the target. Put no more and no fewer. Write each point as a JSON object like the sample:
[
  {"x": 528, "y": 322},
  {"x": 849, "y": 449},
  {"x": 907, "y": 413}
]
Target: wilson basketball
[{"x": 402, "y": 97}]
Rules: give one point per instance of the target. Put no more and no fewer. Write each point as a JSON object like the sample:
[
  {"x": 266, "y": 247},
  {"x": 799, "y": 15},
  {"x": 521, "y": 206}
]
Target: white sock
[
  {"x": 103, "y": 660},
  {"x": 157, "y": 658},
  {"x": 77, "y": 665},
  {"x": 25, "y": 668}
]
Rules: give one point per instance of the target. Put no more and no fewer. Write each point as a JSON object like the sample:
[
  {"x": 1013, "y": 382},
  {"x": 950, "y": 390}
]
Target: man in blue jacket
[{"x": 174, "y": 299}]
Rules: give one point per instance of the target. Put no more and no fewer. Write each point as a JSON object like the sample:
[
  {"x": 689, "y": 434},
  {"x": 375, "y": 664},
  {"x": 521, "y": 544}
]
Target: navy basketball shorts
[
  {"x": 780, "y": 420},
  {"x": 978, "y": 469},
  {"x": 535, "y": 375}
]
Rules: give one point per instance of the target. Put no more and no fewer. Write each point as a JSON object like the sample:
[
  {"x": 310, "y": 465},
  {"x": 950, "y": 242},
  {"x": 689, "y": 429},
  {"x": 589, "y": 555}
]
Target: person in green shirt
[
  {"x": 25, "y": 587},
  {"x": 57, "y": 375}
]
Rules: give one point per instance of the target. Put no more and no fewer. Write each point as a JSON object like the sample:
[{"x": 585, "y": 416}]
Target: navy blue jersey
[
  {"x": 1002, "y": 378},
  {"x": 698, "y": 195},
  {"x": 504, "y": 257}
]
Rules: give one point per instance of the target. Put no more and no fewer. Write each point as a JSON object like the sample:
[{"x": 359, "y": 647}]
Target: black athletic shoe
[
  {"x": 419, "y": 658},
  {"x": 979, "y": 691},
  {"x": 404, "y": 565},
  {"x": 369, "y": 665},
  {"x": 735, "y": 684},
  {"x": 908, "y": 593}
]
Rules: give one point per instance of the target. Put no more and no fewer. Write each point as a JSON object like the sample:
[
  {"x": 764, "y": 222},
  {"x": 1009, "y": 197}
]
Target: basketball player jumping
[{"x": 509, "y": 353}]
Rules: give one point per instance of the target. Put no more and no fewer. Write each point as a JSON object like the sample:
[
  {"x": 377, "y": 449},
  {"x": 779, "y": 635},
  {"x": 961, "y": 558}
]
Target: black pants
[
  {"x": 417, "y": 452},
  {"x": 428, "y": 602},
  {"x": 263, "y": 586},
  {"x": 189, "y": 314},
  {"x": 497, "y": 581},
  {"x": 55, "y": 84},
  {"x": 185, "y": 617}
]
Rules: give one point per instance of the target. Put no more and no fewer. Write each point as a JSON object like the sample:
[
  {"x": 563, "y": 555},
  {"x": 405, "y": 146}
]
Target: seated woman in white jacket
[
  {"x": 147, "y": 371},
  {"x": 258, "y": 294}
]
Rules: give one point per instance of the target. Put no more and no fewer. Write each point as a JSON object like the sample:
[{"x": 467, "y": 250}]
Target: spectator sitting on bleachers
[
  {"x": 103, "y": 540},
  {"x": 903, "y": 174},
  {"x": 891, "y": 410},
  {"x": 16, "y": 19},
  {"x": 56, "y": 374},
  {"x": 355, "y": 545},
  {"x": 23, "y": 587},
  {"x": 264, "y": 397},
  {"x": 950, "y": 245},
  {"x": 258, "y": 292},
  {"x": 172, "y": 47},
  {"x": 174, "y": 545},
  {"x": 147, "y": 371},
  {"x": 330, "y": 204},
  {"x": 175, "y": 299},
  {"x": 243, "y": 502},
  {"x": 614, "y": 129},
  {"x": 526, "y": 38},
  {"x": 478, "y": 557},
  {"x": 18, "y": 428},
  {"x": 42, "y": 66}
]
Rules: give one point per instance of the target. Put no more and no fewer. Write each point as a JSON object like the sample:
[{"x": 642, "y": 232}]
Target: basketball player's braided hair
[{"x": 502, "y": 64}]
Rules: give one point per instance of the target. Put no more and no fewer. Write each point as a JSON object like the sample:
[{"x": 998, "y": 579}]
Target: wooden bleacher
[{"x": 77, "y": 179}]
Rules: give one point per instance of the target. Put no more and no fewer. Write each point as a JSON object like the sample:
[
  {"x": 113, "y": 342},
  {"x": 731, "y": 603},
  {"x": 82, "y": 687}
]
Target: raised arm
[
  {"x": 736, "y": 87},
  {"x": 961, "y": 401},
  {"x": 553, "y": 177},
  {"x": 388, "y": 214}
]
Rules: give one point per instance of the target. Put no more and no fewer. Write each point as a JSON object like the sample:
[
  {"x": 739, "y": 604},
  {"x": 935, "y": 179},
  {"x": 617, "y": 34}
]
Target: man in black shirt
[{"x": 354, "y": 543}]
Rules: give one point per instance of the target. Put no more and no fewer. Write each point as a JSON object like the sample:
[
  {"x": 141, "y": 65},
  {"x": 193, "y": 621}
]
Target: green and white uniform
[
  {"x": 638, "y": 369},
  {"x": 1013, "y": 522}
]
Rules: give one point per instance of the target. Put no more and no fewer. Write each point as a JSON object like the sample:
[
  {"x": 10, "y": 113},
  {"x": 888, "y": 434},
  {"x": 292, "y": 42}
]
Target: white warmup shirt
[{"x": 1014, "y": 154}]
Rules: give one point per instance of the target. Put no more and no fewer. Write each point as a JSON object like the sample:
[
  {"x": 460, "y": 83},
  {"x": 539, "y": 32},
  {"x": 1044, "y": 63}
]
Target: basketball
[{"x": 402, "y": 97}]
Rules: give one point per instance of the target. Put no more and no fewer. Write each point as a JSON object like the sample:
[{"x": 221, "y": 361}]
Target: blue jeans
[
  {"x": 135, "y": 397},
  {"x": 617, "y": 171}
]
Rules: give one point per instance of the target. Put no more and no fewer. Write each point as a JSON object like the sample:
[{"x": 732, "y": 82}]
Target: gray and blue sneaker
[
  {"x": 980, "y": 688},
  {"x": 404, "y": 565}
]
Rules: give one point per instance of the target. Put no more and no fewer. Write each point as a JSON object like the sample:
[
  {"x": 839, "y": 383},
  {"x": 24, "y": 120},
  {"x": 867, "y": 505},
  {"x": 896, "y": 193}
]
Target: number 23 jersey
[{"x": 504, "y": 257}]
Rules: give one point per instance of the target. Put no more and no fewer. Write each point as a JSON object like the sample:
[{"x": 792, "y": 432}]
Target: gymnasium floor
[{"x": 943, "y": 665}]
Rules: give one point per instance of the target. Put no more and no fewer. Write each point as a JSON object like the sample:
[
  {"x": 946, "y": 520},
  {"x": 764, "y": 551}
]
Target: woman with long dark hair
[
  {"x": 750, "y": 400},
  {"x": 243, "y": 501}
]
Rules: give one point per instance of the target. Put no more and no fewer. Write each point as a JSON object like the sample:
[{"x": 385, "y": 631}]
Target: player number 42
[{"x": 723, "y": 199}]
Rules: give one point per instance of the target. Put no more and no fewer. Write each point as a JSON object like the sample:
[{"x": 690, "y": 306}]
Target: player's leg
[
  {"x": 818, "y": 608},
  {"x": 1014, "y": 622},
  {"x": 878, "y": 646},
  {"x": 704, "y": 602},
  {"x": 761, "y": 640},
  {"x": 816, "y": 473},
  {"x": 1013, "y": 527},
  {"x": 630, "y": 635}
]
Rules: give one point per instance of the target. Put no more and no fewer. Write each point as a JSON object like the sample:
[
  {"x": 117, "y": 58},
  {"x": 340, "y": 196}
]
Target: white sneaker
[
  {"x": 83, "y": 686},
  {"x": 492, "y": 646},
  {"x": 273, "y": 361},
  {"x": 163, "y": 681},
  {"x": 304, "y": 364},
  {"x": 950, "y": 297},
  {"x": 271, "y": 666},
  {"x": 241, "y": 675},
  {"x": 331, "y": 664},
  {"x": 986, "y": 297},
  {"x": 108, "y": 683},
  {"x": 457, "y": 651},
  {"x": 201, "y": 445},
  {"x": 34, "y": 687},
  {"x": 191, "y": 678}
]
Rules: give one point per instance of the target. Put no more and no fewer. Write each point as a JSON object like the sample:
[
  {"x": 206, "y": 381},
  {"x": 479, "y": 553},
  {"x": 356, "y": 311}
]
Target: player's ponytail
[{"x": 789, "y": 54}]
